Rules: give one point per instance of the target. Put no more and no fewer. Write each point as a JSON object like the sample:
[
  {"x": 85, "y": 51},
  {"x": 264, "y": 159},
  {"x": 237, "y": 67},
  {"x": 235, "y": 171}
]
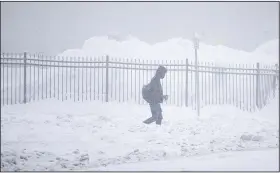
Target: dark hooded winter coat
[{"x": 156, "y": 93}]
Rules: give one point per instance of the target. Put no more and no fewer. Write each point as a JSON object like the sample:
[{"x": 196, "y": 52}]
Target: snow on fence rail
[{"x": 27, "y": 77}]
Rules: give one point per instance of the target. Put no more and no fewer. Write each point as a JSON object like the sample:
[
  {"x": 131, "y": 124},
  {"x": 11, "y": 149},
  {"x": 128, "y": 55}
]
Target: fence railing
[{"x": 26, "y": 77}]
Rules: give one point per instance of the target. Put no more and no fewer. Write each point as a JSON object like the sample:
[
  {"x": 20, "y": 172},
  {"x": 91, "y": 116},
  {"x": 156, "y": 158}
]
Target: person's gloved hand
[{"x": 165, "y": 97}]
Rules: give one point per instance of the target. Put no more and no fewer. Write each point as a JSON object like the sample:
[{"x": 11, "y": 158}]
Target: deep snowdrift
[{"x": 176, "y": 48}]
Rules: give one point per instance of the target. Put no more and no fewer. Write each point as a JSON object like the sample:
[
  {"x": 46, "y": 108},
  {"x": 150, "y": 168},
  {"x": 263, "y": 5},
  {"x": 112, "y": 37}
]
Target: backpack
[{"x": 146, "y": 93}]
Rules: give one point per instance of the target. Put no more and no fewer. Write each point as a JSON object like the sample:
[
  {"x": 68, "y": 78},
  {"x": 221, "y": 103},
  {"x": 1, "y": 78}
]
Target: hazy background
[{"x": 52, "y": 27}]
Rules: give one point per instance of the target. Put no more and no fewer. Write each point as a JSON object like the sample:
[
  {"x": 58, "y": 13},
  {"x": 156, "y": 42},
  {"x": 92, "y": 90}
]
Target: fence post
[
  {"x": 258, "y": 85},
  {"x": 275, "y": 79},
  {"x": 187, "y": 83},
  {"x": 24, "y": 77},
  {"x": 107, "y": 78}
]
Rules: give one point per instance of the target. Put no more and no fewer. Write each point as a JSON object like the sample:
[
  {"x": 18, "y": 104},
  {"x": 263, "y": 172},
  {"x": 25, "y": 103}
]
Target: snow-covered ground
[
  {"x": 262, "y": 160},
  {"x": 55, "y": 135}
]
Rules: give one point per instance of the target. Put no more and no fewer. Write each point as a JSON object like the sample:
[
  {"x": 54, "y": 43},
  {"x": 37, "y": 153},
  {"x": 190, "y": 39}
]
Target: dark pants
[{"x": 156, "y": 113}]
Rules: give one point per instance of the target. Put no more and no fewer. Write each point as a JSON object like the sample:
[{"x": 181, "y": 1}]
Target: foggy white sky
[{"x": 52, "y": 27}]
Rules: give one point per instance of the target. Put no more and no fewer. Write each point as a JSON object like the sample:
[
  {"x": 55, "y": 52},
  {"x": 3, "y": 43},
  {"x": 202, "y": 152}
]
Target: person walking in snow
[{"x": 153, "y": 94}]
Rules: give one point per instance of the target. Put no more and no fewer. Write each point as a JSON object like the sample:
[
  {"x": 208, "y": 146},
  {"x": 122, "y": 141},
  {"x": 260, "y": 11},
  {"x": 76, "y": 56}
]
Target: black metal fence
[{"x": 26, "y": 77}]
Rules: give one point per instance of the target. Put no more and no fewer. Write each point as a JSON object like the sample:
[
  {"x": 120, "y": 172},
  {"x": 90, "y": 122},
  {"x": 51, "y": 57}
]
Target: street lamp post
[{"x": 196, "y": 47}]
